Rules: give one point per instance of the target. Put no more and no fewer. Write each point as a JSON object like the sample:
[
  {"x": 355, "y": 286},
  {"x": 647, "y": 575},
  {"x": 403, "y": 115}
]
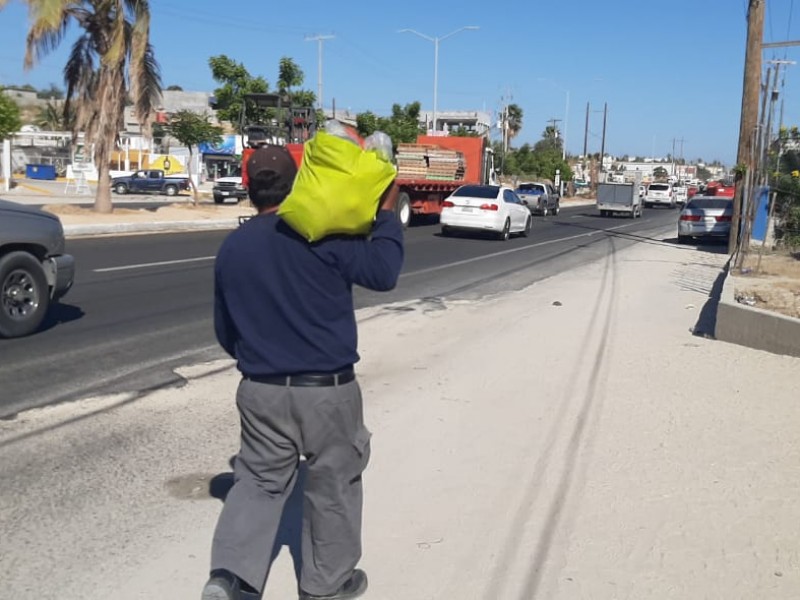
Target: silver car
[{"x": 705, "y": 217}]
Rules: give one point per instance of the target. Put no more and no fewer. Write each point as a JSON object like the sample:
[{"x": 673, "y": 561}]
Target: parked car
[
  {"x": 492, "y": 208},
  {"x": 705, "y": 217},
  {"x": 34, "y": 270},
  {"x": 542, "y": 197},
  {"x": 229, "y": 187},
  {"x": 152, "y": 181},
  {"x": 659, "y": 194}
]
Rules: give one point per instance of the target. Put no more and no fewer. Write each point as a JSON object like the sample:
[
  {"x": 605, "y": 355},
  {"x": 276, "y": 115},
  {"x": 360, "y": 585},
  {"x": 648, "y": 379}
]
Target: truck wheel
[
  {"x": 171, "y": 190},
  {"x": 403, "y": 209},
  {"x": 218, "y": 199},
  {"x": 121, "y": 189},
  {"x": 24, "y": 295},
  {"x": 557, "y": 209},
  {"x": 544, "y": 210}
]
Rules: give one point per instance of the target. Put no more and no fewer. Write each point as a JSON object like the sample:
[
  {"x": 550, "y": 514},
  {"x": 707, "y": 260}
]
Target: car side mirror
[{"x": 525, "y": 202}]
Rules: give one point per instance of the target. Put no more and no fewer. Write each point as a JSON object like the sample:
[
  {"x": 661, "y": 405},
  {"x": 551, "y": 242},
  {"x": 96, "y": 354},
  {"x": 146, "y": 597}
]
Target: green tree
[
  {"x": 192, "y": 129},
  {"x": 514, "y": 116},
  {"x": 703, "y": 174},
  {"x": 10, "y": 120},
  {"x": 402, "y": 126},
  {"x": 464, "y": 132},
  {"x": 111, "y": 61},
  {"x": 551, "y": 140},
  {"x": 289, "y": 75},
  {"x": 174, "y": 88},
  {"x": 235, "y": 83}
]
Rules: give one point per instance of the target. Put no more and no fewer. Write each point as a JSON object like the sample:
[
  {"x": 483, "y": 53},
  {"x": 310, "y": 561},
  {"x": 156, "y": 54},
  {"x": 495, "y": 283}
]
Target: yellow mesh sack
[{"x": 337, "y": 188}]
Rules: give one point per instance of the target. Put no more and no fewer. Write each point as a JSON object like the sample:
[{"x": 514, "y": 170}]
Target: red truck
[
  {"x": 433, "y": 168},
  {"x": 719, "y": 188},
  {"x": 428, "y": 171}
]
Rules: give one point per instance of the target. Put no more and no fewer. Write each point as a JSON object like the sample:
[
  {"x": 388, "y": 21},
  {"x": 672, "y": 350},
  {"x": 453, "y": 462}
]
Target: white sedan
[{"x": 493, "y": 208}]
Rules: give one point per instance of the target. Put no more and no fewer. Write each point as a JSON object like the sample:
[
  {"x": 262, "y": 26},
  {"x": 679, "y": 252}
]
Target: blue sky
[{"x": 667, "y": 69}]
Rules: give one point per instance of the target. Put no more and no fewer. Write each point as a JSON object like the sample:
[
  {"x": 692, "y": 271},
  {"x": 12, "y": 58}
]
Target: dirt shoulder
[{"x": 773, "y": 285}]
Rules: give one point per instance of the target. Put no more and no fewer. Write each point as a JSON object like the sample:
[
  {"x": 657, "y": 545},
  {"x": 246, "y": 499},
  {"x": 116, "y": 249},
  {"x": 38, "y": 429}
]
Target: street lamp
[
  {"x": 436, "y": 41},
  {"x": 566, "y": 117}
]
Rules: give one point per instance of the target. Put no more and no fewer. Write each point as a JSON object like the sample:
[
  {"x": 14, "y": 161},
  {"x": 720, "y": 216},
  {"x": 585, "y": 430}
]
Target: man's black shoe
[
  {"x": 352, "y": 588},
  {"x": 224, "y": 585}
]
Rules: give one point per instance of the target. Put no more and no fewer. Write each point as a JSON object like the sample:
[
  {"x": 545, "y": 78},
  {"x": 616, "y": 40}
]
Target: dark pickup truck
[
  {"x": 150, "y": 182},
  {"x": 34, "y": 269}
]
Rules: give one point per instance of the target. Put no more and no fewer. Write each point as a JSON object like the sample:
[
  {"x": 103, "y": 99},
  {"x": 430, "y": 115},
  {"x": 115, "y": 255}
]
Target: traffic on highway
[{"x": 141, "y": 305}]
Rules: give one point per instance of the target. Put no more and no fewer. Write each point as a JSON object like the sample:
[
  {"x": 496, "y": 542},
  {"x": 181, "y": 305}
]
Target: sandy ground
[
  {"x": 775, "y": 285},
  {"x": 571, "y": 441}
]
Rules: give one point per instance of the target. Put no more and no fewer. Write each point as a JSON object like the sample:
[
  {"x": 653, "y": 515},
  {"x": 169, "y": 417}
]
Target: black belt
[{"x": 306, "y": 379}]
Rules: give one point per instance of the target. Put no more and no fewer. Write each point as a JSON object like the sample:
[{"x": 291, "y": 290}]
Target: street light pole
[
  {"x": 436, "y": 41},
  {"x": 319, "y": 39}
]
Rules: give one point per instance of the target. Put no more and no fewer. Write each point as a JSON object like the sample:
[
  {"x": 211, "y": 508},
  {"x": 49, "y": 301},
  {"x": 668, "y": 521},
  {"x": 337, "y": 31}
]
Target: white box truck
[{"x": 619, "y": 198}]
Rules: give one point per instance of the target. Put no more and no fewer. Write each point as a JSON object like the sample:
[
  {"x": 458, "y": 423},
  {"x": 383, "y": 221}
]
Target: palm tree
[
  {"x": 53, "y": 117},
  {"x": 514, "y": 120},
  {"x": 111, "y": 62}
]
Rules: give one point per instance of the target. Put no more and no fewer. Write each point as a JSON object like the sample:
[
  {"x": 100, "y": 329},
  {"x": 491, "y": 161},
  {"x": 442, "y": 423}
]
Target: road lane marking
[
  {"x": 467, "y": 261},
  {"x": 165, "y": 263},
  {"x": 162, "y": 263}
]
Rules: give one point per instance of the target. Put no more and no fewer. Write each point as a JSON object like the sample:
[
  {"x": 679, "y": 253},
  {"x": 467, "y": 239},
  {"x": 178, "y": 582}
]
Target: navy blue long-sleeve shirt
[{"x": 284, "y": 306}]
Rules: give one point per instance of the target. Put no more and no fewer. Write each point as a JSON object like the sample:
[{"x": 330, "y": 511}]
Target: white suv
[{"x": 660, "y": 193}]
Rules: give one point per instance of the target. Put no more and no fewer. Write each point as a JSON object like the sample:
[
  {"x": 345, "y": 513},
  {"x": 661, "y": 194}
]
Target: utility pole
[
  {"x": 553, "y": 125},
  {"x": 749, "y": 116},
  {"x": 586, "y": 134},
  {"x": 603, "y": 143},
  {"x": 672, "y": 157},
  {"x": 319, "y": 39}
]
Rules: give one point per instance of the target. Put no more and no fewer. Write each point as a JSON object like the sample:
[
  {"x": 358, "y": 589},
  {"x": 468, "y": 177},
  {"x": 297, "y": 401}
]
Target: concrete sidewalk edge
[
  {"x": 755, "y": 327},
  {"x": 71, "y": 231}
]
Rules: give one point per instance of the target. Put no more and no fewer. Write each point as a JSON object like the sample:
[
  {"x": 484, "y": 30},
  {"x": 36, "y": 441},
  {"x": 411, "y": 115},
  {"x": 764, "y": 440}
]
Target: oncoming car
[
  {"x": 492, "y": 208},
  {"x": 705, "y": 217}
]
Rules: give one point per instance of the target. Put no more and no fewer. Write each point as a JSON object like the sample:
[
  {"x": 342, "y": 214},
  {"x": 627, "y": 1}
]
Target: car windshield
[
  {"x": 477, "y": 191},
  {"x": 530, "y": 188},
  {"x": 704, "y": 203},
  {"x": 658, "y": 187}
]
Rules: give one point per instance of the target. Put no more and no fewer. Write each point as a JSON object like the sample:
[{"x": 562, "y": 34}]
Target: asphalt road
[{"x": 142, "y": 305}]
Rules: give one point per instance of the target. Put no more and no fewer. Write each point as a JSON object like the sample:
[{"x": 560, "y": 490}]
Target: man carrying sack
[{"x": 284, "y": 311}]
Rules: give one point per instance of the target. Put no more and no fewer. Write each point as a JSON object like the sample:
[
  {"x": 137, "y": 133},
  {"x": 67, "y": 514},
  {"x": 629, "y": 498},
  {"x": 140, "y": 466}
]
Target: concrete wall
[{"x": 754, "y": 327}]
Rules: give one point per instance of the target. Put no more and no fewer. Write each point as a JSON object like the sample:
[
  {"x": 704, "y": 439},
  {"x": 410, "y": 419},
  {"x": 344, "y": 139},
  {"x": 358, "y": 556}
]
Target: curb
[
  {"x": 71, "y": 231},
  {"x": 755, "y": 327}
]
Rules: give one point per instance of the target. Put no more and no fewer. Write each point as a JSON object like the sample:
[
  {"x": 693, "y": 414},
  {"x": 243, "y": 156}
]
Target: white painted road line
[
  {"x": 467, "y": 261},
  {"x": 162, "y": 263},
  {"x": 420, "y": 272}
]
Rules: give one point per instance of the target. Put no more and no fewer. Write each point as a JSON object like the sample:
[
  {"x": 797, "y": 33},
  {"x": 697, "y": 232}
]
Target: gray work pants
[{"x": 279, "y": 424}]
